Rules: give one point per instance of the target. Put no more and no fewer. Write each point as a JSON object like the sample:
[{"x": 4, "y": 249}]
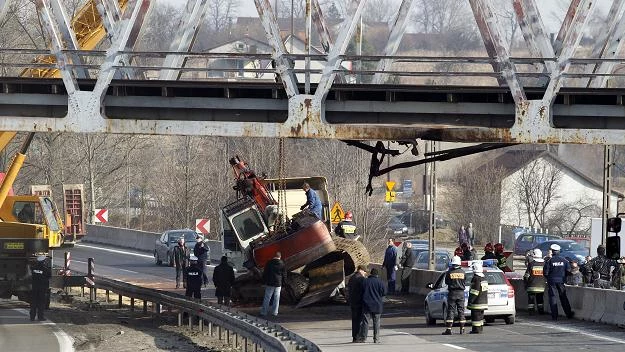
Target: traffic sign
[
  {"x": 336, "y": 214},
  {"x": 390, "y": 185},
  {"x": 389, "y": 197},
  {"x": 202, "y": 226},
  {"x": 101, "y": 215}
]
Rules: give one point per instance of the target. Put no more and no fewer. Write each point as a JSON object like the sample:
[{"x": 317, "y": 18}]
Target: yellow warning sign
[
  {"x": 390, "y": 185},
  {"x": 336, "y": 214},
  {"x": 389, "y": 197}
]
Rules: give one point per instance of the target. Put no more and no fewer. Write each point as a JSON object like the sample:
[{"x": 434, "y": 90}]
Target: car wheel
[
  {"x": 509, "y": 319},
  {"x": 157, "y": 259},
  {"x": 428, "y": 317}
]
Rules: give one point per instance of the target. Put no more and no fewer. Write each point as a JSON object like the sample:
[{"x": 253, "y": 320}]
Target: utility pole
[
  {"x": 432, "y": 207},
  {"x": 608, "y": 155}
]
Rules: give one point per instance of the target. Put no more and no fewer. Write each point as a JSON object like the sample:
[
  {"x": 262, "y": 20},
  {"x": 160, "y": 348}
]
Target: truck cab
[{"x": 32, "y": 209}]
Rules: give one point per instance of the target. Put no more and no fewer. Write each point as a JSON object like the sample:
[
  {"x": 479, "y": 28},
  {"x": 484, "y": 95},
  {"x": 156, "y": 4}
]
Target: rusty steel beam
[
  {"x": 44, "y": 9},
  {"x": 284, "y": 66},
  {"x": 566, "y": 26},
  {"x": 189, "y": 26},
  {"x": 493, "y": 38},
  {"x": 322, "y": 29},
  {"x": 568, "y": 46},
  {"x": 399, "y": 26},
  {"x": 307, "y": 46},
  {"x": 334, "y": 56},
  {"x": 110, "y": 13},
  {"x": 69, "y": 37},
  {"x": 612, "y": 44}
]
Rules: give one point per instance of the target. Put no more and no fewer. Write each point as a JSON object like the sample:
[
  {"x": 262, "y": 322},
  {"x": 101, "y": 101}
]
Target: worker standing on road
[
  {"x": 454, "y": 278},
  {"x": 194, "y": 279},
  {"x": 535, "y": 282},
  {"x": 372, "y": 304},
  {"x": 471, "y": 235},
  {"x": 346, "y": 228},
  {"x": 555, "y": 271},
  {"x": 354, "y": 296},
  {"x": 390, "y": 263},
  {"x": 40, "y": 273},
  {"x": 181, "y": 262},
  {"x": 406, "y": 262},
  {"x": 312, "y": 201},
  {"x": 598, "y": 269},
  {"x": 501, "y": 259},
  {"x": 223, "y": 278},
  {"x": 488, "y": 252},
  {"x": 462, "y": 236},
  {"x": 478, "y": 298},
  {"x": 274, "y": 276},
  {"x": 202, "y": 252}
]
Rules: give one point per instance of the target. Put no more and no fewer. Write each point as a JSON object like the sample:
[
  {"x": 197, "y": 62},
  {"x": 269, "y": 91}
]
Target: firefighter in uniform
[
  {"x": 454, "y": 278},
  {"x": 598, "y": 269},
  {"x": 40, "y": 273},
  {"x": 346, "y": 228},
  {"x": 194, "y": 279},
  {"x": 478, "y": 297},
  {"x": 535, "y": 282},
  {"x": 501, "y": 259},
  {"x": 555, "y": 271},
  {"x": 488, "y": 252}
]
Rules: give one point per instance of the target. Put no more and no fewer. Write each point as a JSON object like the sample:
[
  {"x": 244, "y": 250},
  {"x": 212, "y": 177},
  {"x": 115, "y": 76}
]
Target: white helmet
[
  {"x": 193, "y": 258},
  {"x": 537, "y": 253},
  {"x": 476, "y": 266},
  {"x": 41, "y": 258},
  {"x": 456, "y": 260},
  {"x": 555, "y": 247}
]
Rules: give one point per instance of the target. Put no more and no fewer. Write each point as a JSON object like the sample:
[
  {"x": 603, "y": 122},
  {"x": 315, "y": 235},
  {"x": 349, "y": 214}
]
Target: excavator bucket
[{"x": 323, "y": 284}]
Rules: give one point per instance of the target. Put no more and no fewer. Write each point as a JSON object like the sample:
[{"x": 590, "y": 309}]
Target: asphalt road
[
  {"x": 403, "y": 316},
  {"x": 19, "y": 334}
]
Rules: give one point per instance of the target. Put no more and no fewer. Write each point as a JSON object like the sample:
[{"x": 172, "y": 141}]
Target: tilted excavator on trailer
[{"x": 317, "y": 262}]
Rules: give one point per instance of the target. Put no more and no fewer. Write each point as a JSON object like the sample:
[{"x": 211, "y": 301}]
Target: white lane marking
[
  {"x": 66, "y": 343},
  {"x": 116, "y": 251},
  {"x": 454, "y": 346},
  {"x": 576, "y": 331},
  {"x": 128, "y": 271}
]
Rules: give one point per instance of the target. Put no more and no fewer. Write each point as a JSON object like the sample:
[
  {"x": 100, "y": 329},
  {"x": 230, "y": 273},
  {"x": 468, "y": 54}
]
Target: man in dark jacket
[
  {"x": 406, "y": 262},
  {"x": 274, "y": 276},
  {"x": 391, "y": 260},
  {"x": 354, "y": 296},
  {"x": 555, "y": 271},
  {"x": 313, "y": 203},
  {"x": 194, "y": 279},
  {"x": 40, "y": 273},
  {"x": 181, "y": 262},
  {"x": 454, "y": 278},
  {"x": 598, "y": 269},
  {"x": 202, "y": 252},
  {"x": 488, "y": 252},
  {"x": 372, "y": 303},
  {"x": 223, "y": 278}
]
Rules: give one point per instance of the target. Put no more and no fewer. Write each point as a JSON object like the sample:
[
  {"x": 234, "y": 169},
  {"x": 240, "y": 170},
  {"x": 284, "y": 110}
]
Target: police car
[{"x": 500, "y": 295}]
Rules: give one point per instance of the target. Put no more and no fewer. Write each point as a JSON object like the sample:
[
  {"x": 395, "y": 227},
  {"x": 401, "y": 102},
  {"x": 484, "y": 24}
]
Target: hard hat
[
  {"x": 348, "y": 215},
  {"x": 456, "y": 260},
  {"x": 488, "y": 247},
  {"x": 41, "y": 258},
  {"x": 193, "y": 258},
  {"x": 555, "y": 247},
  {"x": 476, "y": 266},
  {"x": 499, "y": 248},
  {"x": 458, "y": 251},
  {"x": 537, "y": 253}
]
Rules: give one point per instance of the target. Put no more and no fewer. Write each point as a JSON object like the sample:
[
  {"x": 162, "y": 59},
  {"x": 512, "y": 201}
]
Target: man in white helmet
[
  {"x": 194, "y": 279},
  {"x": 535, "y": 282},
  {"x": 555, "y": 271},
  {"x": 478, "y": 297},
  {"x": 454, "y": 278}
]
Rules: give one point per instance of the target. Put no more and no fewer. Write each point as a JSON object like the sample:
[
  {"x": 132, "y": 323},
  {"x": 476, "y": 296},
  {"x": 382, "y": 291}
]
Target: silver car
[{"x": 164, "y": 247}]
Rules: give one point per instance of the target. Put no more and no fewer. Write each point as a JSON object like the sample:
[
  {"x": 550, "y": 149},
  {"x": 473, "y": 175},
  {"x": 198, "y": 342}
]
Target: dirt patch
[{"x": 109, "y": 328}]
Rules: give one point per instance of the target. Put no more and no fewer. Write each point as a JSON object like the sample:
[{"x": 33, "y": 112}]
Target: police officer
[
  {"x": 478, "y": 298},
  {"x": 194, "y": 279},
  {"x": 555, "y": 271},
  {"x": 501, "y": 259},
  {"x": 535, "y": 282},
  {"x": 598, "y": 269},
  {"x": 40, "y": 273},
  {"x": 454, "y": 278},
  {"x": 488, "y": 252},
  {"x": 346, "y": 228}
]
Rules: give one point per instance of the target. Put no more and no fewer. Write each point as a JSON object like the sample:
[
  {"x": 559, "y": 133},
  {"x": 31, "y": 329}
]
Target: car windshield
[
  {"x": 441, "y": 258},
  {"x": 493, "y": 278},
  {"x": 571, "y": 246},
  {"x": 189, "y": 237}
]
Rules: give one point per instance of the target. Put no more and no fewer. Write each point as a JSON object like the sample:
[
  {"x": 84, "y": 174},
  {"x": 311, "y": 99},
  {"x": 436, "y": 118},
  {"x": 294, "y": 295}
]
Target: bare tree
[
  {"x": 448, "y": 18},
  {"x": 574, "y": 217},
  {"x": 221, "y": 13}
]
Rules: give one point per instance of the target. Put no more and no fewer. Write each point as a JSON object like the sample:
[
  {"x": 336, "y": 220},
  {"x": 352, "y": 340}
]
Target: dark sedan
[
  {"x": 163, "y": 250},
  {"x": 568, "y": 249}
]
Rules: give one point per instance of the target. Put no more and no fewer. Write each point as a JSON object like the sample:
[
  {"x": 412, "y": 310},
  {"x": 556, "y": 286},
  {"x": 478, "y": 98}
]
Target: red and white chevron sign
[
  {"x": 202, "y": 226},
  {"x": 101, "y": 215}
]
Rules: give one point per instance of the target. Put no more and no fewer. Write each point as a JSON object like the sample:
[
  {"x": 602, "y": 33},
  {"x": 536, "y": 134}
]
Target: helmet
[
  {"x": 498, "y": 248},
  {"x": 456, "y": 260},
  {"x": 476, "y": 266},
  {"x": 488, "y": 247},
  {"x": 193, "y": 258},
  {"x": 348, "y": 215},
  {"x": 537, "y": 253},
  {"x": 458, "y": 251},
  {"x": 555, "y": 247},
  {"x": 41, "y": 258}
]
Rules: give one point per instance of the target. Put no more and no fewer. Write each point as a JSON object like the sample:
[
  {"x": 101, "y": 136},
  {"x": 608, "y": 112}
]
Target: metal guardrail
[{"x": 251, "y": 330}]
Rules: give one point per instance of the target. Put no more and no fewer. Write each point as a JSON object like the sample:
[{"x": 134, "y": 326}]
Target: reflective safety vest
[
  {"x": 478, "y": 294},
  {"x": 345, "y": 227}
]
